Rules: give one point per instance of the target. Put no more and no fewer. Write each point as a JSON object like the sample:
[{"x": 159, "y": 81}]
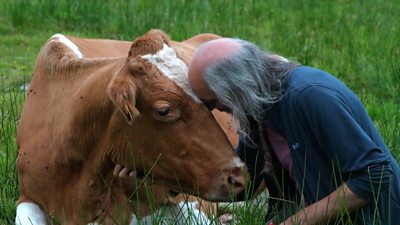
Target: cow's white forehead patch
[
  {"x": 61, "y": 38},
  {"x": 173, "y": 67}
]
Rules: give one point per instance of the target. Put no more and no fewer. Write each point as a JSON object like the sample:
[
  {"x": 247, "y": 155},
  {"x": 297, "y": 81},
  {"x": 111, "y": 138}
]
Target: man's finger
[
  {"x": 117, "y": 169},
  {"x": 124, "y": 172}
]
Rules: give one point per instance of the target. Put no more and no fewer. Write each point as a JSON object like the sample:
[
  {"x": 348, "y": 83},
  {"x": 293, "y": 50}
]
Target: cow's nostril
[
  {"x": 237, "y": 179},
  {"x": 231, "y": 181}
]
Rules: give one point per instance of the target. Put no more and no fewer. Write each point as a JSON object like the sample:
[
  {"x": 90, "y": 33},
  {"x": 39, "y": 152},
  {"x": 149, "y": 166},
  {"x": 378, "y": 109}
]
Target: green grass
[
  {"x": 10, "y": 106},
  {"x": 357, "y": 41}
]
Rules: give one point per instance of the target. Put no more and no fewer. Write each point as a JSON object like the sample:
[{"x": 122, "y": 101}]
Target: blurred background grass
[{"x": 356, "y": 40}]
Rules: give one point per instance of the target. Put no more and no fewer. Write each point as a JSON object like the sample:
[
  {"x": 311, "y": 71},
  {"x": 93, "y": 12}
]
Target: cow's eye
[{"x": 165, "y": 111}]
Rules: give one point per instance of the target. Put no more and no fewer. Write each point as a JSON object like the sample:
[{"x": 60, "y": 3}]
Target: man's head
[
  {"x": 207, "y": 55},
  {"x": 237, "y": 76}
]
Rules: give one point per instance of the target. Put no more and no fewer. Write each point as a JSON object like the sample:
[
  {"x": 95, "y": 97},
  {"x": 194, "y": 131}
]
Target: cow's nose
[
  {"x": 237, "y": 179},
  {"x": 229, "y": 184}
]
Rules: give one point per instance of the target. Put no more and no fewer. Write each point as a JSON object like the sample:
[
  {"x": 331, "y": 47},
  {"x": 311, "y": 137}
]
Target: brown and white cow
[{"x": 94, "y": 103}]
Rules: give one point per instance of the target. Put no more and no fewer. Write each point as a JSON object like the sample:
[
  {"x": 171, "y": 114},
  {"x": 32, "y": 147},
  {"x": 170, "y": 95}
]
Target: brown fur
[
  {"x": 82, "y": 116},
  {"x": 151, "y": 43}
]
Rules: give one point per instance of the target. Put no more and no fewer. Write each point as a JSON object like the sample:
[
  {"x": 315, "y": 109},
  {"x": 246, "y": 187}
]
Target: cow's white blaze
[
  {"x": 29, "y": 213},
  {"x": 74, "y": 48},
  {"x": 173, "y": 67}
]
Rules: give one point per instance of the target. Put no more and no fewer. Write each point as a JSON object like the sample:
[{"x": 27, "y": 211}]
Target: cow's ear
[{"x": 122, "y": 91}]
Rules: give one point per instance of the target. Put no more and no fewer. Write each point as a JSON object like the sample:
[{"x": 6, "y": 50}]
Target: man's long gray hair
[{"x": 248, "y": 82}]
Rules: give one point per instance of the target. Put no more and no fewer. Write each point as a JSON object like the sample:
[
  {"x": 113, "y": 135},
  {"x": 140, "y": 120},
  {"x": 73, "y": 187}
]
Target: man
[{"x": 317, "y": 128}]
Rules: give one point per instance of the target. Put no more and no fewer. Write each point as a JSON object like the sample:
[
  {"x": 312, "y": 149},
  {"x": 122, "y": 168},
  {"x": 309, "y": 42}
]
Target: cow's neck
[
  {"x": 99, "y": 189},
  {"x": 89, "y": 138}
]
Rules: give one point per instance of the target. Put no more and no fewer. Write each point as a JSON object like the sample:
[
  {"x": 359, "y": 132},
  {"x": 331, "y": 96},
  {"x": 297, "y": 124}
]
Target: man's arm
[{"x": 328, "y": 208}]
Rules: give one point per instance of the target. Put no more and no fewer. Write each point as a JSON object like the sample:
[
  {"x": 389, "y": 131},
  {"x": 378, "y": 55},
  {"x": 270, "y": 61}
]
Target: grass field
[{"x": 357, "y": 41}]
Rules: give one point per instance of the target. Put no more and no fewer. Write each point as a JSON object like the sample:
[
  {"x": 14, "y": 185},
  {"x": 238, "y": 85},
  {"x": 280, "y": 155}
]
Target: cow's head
[{"x": 161, "y": 127}]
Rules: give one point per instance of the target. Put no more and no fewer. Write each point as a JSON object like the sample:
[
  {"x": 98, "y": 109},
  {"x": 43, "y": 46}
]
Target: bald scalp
[{"x": 208, "y": 54}]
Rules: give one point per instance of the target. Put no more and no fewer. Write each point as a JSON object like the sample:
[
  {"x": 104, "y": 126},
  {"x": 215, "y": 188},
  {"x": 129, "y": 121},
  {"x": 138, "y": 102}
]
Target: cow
[{"x": 95, "y": 103}]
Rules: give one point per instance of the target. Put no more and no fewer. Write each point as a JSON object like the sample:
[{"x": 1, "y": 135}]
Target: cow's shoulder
[
  {"x": 58, "y": 51},
  {"x": 61, "y": 55}
]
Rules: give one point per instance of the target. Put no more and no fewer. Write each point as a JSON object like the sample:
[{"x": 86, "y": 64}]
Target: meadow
[{"x": 358, "y": 41}]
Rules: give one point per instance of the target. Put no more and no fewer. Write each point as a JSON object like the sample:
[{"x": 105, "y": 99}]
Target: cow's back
[{"x": 101, "y": 48}]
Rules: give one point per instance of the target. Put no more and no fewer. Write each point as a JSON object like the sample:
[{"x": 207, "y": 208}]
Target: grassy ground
[{"x": 357, "y": 41}]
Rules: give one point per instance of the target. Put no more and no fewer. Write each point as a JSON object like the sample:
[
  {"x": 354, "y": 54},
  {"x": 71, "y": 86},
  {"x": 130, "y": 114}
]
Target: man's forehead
[{"x": 208, "y": 54}]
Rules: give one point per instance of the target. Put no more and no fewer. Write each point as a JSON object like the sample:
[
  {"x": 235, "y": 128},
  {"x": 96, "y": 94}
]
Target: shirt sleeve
[{"x": 340, "y": 125}]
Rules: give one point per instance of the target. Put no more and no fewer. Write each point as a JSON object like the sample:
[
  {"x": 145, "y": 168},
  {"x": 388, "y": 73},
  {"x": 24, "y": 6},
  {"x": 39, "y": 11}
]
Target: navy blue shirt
[{"x": 332, "y": 140}]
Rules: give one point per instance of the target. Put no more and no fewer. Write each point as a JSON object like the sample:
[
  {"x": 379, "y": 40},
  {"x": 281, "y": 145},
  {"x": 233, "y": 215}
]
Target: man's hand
[
  {"x": 328, "y": 208},
  {"x": 122, "y": 171}
]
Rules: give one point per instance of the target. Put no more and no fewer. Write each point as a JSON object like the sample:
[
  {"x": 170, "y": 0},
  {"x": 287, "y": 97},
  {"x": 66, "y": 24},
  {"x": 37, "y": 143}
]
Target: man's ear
[{"x": 122, "y": 91}]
